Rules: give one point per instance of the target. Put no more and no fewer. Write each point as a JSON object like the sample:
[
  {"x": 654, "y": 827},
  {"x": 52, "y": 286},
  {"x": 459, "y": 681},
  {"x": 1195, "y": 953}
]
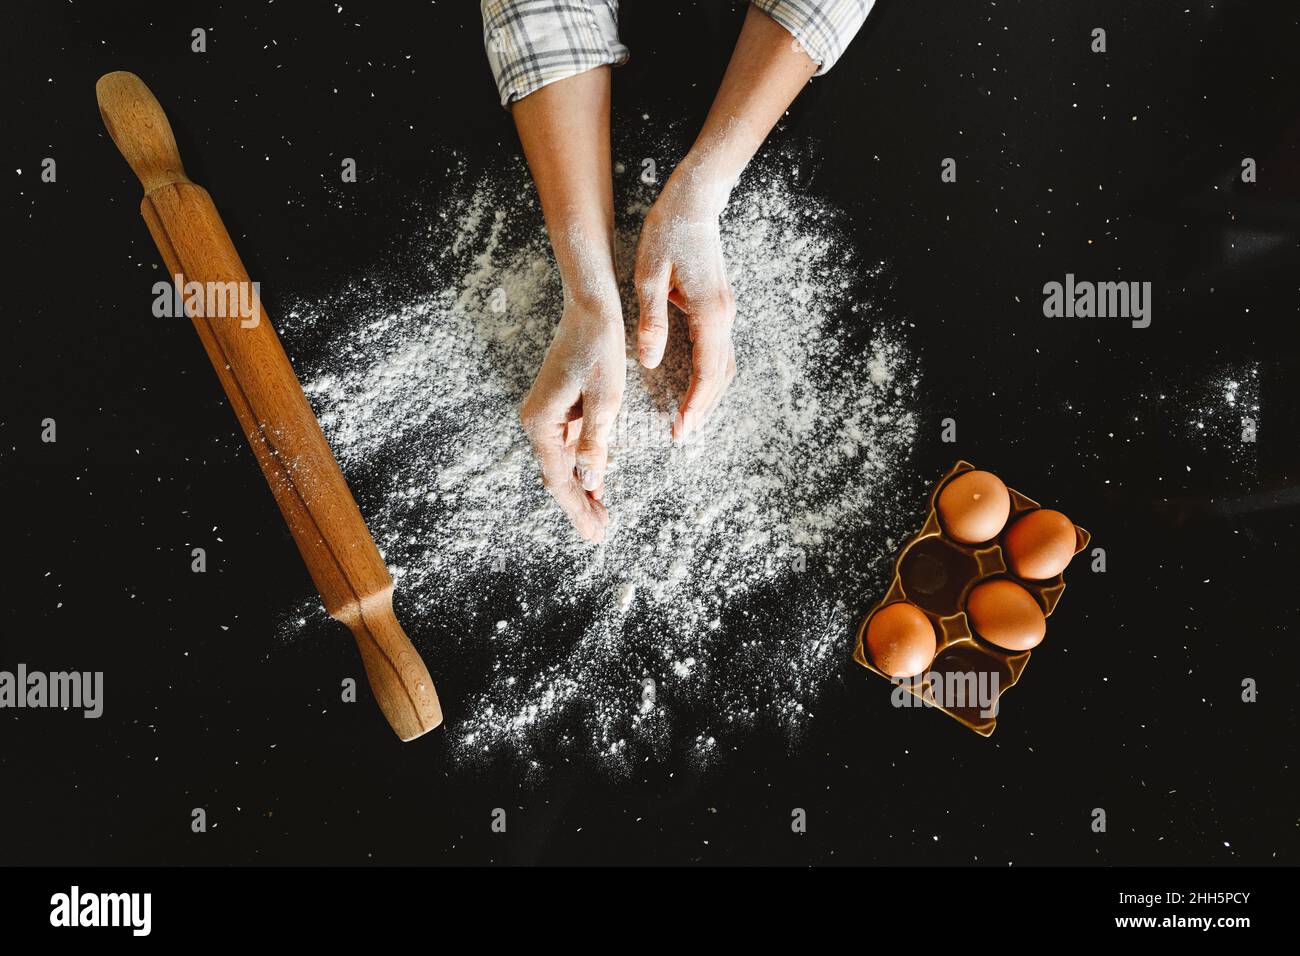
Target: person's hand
[
  {"x": 679, "y": 260},
  {"x": 571, "y": 408}
]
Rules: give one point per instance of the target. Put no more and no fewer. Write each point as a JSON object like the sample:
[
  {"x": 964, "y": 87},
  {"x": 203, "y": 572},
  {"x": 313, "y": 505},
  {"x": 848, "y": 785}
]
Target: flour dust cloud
[{"x": 724, "y": 597}]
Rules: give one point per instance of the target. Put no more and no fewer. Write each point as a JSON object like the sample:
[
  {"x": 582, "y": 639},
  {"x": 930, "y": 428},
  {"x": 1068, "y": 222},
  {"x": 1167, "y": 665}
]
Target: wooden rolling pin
[{"x": 259, "y": 381}]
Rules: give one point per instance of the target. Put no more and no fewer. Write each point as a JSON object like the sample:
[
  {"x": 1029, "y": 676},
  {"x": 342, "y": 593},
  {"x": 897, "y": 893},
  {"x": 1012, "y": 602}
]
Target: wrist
[
  {"x": 592, "y": 310},
  {"x": 584, "y": 254},
  {"x": 721, "y": 152},
  {"x": 704, "y": 180}
]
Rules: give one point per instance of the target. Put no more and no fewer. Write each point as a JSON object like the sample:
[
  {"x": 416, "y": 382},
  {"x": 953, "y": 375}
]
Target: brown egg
[
  {"x": 1005, "y": 614},
  {"x": 900, "y": 640},
  {"x": 1039, "y": 545},
  {"x": 974, "y": 506}
]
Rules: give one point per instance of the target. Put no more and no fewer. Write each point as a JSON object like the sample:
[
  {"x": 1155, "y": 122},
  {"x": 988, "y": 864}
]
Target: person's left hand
[{"x": 679, "y": 260}]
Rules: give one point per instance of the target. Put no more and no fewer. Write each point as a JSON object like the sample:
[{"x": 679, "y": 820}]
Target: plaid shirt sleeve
[
  {"x": 531, "y": 43},
  {"x": 822, "y": 27}
]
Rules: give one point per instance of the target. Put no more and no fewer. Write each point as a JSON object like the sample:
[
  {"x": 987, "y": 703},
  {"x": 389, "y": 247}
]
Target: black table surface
[{"x": 1123, "y": 165}]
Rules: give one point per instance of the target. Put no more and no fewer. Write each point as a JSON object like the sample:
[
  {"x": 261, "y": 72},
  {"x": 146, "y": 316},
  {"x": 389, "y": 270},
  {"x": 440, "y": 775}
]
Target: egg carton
[{"x": 937, "y": 573}]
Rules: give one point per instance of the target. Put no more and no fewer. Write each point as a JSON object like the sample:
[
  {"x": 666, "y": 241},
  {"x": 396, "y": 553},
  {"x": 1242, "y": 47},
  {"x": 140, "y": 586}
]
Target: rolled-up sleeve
[
  {"x": 531, "y": 43},
  {"x": 822, "y": 27}
]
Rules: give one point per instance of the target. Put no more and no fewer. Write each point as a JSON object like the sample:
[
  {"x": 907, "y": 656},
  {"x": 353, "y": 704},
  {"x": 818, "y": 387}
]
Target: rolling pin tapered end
[
  {"x": 400, "y": 681},
  {"x": 139, "y": 129}
]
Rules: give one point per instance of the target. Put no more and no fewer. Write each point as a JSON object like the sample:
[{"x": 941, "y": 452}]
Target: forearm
[
  {"x": 564, "y": 129},
  {"x": 767, "y": 70}
]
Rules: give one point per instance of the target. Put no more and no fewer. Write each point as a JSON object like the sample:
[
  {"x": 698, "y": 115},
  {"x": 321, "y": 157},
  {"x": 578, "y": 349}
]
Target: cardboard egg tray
[{"x": 937, "y": 573}]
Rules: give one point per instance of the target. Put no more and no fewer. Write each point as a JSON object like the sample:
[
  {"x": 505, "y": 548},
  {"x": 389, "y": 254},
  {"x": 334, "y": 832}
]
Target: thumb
[
  {"x": 591, "y": 457},
  {"x": 652, "y": 330}
]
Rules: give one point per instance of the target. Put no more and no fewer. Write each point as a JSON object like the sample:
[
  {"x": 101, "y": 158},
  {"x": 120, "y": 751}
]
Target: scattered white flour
[
  {"x": 626, "y": 594},
  {"x": 725, "y": 595},
  {"x": 1224, "y": 410},
  {"x": 1229, "y": 401}
]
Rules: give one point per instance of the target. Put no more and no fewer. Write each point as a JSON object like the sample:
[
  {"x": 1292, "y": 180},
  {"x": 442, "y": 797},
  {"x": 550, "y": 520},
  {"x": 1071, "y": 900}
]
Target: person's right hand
[{"x": 571, "y": 408}]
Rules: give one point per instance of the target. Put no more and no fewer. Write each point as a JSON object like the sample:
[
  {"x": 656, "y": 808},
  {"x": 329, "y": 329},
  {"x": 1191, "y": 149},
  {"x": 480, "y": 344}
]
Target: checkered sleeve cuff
[
  {"x": 822, "y": 27},
  {"x": 531, "y": 43}
]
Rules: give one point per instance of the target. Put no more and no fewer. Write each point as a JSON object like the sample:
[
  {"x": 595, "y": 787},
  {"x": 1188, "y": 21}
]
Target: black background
[{"x": 1116, "y": 166}]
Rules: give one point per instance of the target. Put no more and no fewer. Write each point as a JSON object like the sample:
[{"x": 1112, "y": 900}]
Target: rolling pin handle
[
  {"x": 401, "y": 684},
  {"x": 139, "y": 129}
]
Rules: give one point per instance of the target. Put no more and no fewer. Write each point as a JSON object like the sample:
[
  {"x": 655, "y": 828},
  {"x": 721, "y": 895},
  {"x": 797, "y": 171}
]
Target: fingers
[
  {"x": 600, "y": 403},
  {"x": 585, "y": 511},
  {"x": 652, "y": 282},
  {"x": 713, "y": 366},
  {"x": 546, "y": 430},
  {"x": 731, "y": 374}
]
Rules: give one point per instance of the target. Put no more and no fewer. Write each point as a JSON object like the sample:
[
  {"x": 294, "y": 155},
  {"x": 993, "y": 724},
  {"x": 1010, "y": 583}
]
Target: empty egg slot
[
  {"x": 969, "y": 679},
  {"x": 934, "y": 573}
]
